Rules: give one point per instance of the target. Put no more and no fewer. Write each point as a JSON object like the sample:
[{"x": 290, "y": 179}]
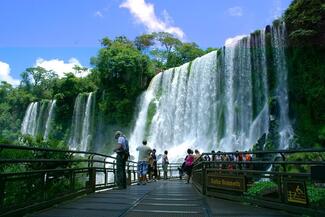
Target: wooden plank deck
[{"x": 158, "y": 199}]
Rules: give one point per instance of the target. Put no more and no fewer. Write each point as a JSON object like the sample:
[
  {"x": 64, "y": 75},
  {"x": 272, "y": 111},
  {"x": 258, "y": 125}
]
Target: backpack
[
  {"x": 126, "y": 144},
  {"x": 127, "y": 153}
]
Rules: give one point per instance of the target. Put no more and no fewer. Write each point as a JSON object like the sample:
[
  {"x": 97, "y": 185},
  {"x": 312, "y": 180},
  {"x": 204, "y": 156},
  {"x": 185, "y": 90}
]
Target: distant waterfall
[
  {"x": 30, "y": 120},
  {"x": 82, "y": 122},
  {"x": 50, "y": 119},
  {"x": 38, "y": 119},
  {"x": 218, "y": 101}
]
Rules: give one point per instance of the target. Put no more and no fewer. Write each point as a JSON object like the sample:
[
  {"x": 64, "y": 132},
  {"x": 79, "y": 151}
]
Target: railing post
[
  {"x": 129, "y": 182},
  {"x": 92, "y": 180},
  {"x": 204, "y": 179},
  {"x": 92, "y": 175},
  {"x": 2, "y": 191},
  {"x": 114, "y": 172},
  {"x": 105, "y": 172},
  {"x": 72, "y": 181},
  {"x": 44, "y": 186},
  {"x": 170, "y": 171}
]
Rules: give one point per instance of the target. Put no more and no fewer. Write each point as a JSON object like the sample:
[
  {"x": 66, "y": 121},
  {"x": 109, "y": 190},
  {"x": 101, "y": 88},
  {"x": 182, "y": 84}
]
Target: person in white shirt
[{"x": 144, "y": 153}]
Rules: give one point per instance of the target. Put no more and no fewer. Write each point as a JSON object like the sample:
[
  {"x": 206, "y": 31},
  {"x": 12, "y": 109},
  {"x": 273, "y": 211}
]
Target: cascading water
[
  {"x": 50, "y": 120},
  {"x": 218, "y": 101},
  {"x": 150, "y": 96},
  {"x": 38, "y": 119},
  {"x": 30, "y": 120},
  {"x": 285, "y": 128},
  {"x": 82, "y": 122}
]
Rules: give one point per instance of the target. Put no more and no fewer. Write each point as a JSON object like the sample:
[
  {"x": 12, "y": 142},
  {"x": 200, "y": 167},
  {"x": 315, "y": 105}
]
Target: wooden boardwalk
[{"x": 158, "y": 199}]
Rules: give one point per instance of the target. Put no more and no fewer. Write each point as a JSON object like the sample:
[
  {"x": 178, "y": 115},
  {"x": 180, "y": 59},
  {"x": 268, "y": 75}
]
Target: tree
[
  {"x": 144, "y": 41},
  {"x": 39, "y": 81},
  {"x": 184, "y": 53},
  {"x": 122, "y": 71},
  {"x": 167, "y": 51}
]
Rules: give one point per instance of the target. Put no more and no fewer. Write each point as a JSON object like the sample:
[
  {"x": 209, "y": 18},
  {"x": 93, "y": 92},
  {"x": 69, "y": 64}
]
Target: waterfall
[
  {"x": 260, "y": 124},
  {"x": 38, "y": 119},
  {"x": 147, "y": 98},
  {"x": 30, "y": 120},
  {"x": 86, "y": 131},
  {"x": 217, "y": 102},
  {"x": 82, "y": 121},
  {"x": 50, "y": 119},
  {"x": 279, "y": 43}
]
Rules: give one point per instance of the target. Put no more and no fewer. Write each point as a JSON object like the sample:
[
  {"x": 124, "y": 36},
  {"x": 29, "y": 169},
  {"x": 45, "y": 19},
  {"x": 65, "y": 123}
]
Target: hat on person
[{"x": 117, "y": 134}]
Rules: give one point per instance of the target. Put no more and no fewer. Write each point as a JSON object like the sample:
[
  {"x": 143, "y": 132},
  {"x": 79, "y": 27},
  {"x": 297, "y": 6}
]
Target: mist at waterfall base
[{"x": 219, "y": 101}]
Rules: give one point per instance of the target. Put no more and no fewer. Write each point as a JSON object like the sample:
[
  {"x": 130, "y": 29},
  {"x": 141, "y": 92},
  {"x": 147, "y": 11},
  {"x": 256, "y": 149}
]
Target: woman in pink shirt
[{"x": 189, "y": 159}]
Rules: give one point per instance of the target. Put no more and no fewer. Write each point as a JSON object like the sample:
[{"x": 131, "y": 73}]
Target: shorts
[{"x": 142, "y": 168}]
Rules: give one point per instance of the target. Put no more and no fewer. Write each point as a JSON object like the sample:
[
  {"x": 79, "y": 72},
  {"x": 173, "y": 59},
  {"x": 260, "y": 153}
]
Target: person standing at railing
[
  {"x": 165, "y": 163},
  {"x": 143, "y": 158},
  {"x": 239, "y": 158},
  {"x": 189, "y": 159},
  {"x": 154, "y": 164},
  {"x": 121, "y": 158},
  {"x": 248, "y": 158},
  {"x": 197, "y": 155}
]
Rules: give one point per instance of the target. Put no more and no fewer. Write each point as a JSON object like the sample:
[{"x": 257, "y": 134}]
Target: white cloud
[
  {"x": 98, "y": 14},
  {"x": 60, "y": 67},
  {"x": 167, "y": 18},
  {"x": 5, "y": 74},
  {"x": 235, "y": 11},
  {"x": 145, "y": 13}
]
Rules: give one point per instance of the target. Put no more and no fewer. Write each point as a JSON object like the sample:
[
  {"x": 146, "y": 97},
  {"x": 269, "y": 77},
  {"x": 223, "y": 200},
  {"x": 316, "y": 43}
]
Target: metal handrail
[
  {"x": 78, "y": 168},
  {"x": 98, "y": 163}
]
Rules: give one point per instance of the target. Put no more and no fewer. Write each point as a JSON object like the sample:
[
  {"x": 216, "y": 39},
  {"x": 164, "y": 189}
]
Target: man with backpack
[{"x": 122, "y": 155}]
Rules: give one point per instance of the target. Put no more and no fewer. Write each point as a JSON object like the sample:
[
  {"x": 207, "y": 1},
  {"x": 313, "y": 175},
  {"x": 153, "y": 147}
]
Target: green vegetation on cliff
[{"x": 305, "y": 21}]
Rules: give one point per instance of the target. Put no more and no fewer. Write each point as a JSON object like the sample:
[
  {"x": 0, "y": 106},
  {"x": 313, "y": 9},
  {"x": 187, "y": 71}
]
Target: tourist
[
  {"x": 197, "y": 155},
  {"x": 213, "y": 157},
  {"x": 231, "y": 158},
  {"x": 248, "y": 158},
  {"x": 181, "y": 171},
  {"x": 122, "y": 154},
  {"x": 154, "y": 164},
  {"x": 218, "y": 158},
  {"x": 150, "y": 167},
  {"x": 143, "y": 157},
  {"x": 189, "y": 159},
  {"x": 224, "y": 159},
  {"x": 239, "y": 158},
  {"x": 165, "y": 163}
]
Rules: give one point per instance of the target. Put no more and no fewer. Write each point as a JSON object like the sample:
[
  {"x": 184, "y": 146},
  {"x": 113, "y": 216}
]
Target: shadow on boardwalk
[{"x": 158, "y": 199}]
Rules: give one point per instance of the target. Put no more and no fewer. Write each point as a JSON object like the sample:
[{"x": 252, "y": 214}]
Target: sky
[{"x": 58, "y": 34}]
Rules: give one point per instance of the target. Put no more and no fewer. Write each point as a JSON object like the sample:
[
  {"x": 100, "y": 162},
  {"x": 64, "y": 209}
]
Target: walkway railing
[
  {"x": 270, "y": 178},
  {"x": 32, "y": 178}
]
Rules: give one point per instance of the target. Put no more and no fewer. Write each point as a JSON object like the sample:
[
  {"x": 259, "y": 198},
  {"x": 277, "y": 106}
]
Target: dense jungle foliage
[{"x": 305, "y": 21}]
